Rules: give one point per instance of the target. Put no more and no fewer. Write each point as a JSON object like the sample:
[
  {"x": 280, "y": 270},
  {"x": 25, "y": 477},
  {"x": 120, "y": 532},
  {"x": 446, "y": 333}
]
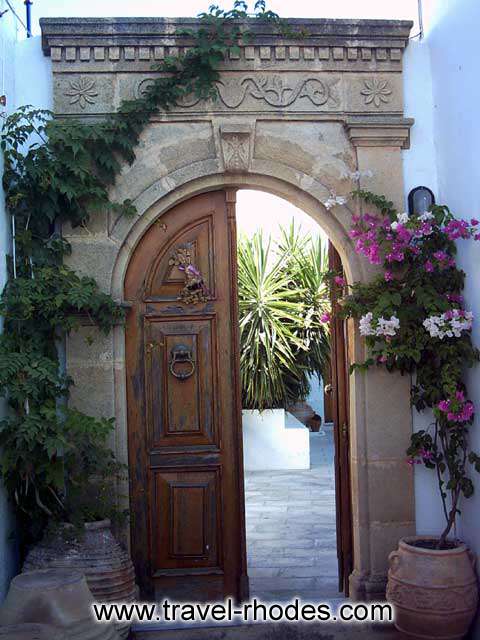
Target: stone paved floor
[
  {"x": 291, "y": 552},
  {"x": 291, "y": 541}
]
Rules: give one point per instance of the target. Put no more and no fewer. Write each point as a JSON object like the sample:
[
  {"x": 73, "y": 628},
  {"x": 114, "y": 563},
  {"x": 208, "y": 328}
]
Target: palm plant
[
  {"x": 282, "y": 294},
  {"x": 270, "y": 314},
  {"x": 307, "y": 262}
]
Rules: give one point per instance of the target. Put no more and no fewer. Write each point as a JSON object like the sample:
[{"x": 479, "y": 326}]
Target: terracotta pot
[
  {"x": 56, "y": 597},
  {"x": 302, "y": 411},
  {"x": 31, "y": 631},
  {"x": 107, "y": 567},
  {"x": 435, "y": 593},
  {"x": 314, "y": 423}
]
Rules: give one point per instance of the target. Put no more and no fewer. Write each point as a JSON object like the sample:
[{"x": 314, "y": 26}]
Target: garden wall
[{"x": 25, "y": 79}]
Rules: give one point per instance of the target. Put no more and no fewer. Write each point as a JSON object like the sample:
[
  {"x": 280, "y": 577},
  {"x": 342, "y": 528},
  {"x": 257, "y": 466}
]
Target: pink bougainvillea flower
[
  {"x": 403, "y": 234},
  {"x": 426, "y": 229},
  {"x": 382, "y": 359},
  {"x": 441, "y": 256},
  {"x": 444, "y": 405},
  {"x": 412, "y": 461},
  {"x": 340, "y": 281},
  {"x": 325, "y": 317},
  {"x": 454, "y": 297},
  {"x": 468, "y": 411},
  {"x": 457, "y": 229},
  {"x": 426, "y": 455},
  {"x": 395, "y": 255},
  {"x": 462, "y": 411},
  {"x": 474, "y": 222},
  {"x": 388, "y": 275},
  {"x": 428, "y": 266}
]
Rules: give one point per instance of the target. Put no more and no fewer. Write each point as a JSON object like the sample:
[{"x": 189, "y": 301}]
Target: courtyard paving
[
  {"x": 291, "y": 537},
  {"x": 291, "y": 549}
]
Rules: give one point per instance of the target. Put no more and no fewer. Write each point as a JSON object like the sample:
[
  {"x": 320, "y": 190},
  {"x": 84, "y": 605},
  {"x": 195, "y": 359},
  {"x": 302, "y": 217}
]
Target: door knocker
[{"x": 180, "y": 354}]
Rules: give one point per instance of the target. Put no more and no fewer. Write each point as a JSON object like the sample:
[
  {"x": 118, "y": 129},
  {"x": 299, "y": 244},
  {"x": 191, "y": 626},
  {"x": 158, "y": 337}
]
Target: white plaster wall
[
  {"x": 274, "y": 440},
  {"x": 443, "y": 94},
  {"x": 316, "y": 397},
  {"x": 452, "y": 36},
  {"x": 419, "y": 165},
  {"x": 25, "y": 78}
]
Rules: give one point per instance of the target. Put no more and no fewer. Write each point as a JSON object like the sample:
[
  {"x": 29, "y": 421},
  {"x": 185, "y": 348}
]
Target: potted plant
[
  {"x": 64, "y": 479},
  {"x": 306, "y": 261},
  {"x": 283, "y": 308},
  {"x": 414, "y": 321},
  {"x": 284, "y": 339}
]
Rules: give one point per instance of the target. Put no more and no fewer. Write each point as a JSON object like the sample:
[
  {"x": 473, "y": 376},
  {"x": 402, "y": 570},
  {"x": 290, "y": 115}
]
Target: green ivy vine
[{"x": 60, "y": 172}]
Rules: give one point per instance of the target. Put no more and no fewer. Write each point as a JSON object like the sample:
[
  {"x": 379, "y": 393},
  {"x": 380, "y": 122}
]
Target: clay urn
[
  {"x": 434, "y": 592},
  {"x": 94, "y": 552},
  {"x": 56, "y": 597},
  {"x": 302, "y": 411}
]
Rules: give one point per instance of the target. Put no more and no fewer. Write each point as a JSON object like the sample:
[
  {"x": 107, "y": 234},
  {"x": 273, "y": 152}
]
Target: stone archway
[{"x": 292, "y": 118}]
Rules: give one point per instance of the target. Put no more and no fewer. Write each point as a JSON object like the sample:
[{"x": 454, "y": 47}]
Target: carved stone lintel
[
  {"x": 379, "y": 132},
  {"x": 236, "y": 147}
]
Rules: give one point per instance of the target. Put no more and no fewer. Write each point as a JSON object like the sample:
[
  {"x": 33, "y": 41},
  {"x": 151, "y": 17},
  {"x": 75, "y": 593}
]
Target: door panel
[
  {"x": 341, "y": 420},
  {"x": 184, "y": 412},
  {"x": 197, "y": 242},
  {"x": 181, "y": 406},
  {"x": 191, "y": 496}
]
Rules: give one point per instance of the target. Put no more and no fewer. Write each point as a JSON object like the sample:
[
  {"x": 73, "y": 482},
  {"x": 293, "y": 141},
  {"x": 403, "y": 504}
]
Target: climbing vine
[{"x": 59, "y": 172}]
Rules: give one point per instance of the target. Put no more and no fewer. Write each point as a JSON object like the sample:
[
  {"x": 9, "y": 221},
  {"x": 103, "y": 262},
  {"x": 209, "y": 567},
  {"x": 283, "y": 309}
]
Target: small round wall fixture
[{"x": 420, "y": 200}]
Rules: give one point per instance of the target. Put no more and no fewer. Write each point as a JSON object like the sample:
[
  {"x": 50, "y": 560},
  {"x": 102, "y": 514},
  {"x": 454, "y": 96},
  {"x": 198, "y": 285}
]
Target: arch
[
  {"x": 297, "y": 151},
  {"x": 335, "y": 222},
  {"x": 368, "y": 578}
]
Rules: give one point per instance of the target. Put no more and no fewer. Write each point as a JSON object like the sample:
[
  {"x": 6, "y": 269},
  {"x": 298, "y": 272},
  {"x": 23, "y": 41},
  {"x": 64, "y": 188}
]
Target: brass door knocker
[{"x": 180, "y": 354}]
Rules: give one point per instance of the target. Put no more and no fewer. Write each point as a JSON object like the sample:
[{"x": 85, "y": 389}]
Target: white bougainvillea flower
[
  {"x": 333, "y": 200},
  {"x": 450, "y": 324},
  {"x": 381, "y": 327}
]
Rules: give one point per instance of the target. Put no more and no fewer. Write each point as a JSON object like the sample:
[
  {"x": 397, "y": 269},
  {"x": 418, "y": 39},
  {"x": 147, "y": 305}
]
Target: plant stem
[{"x": 439, "y": 475}]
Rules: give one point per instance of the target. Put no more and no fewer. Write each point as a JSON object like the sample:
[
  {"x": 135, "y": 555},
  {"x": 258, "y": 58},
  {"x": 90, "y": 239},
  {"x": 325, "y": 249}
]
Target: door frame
[
  {"x": 339, "y": 381},
  {"x": 378, "y": 520},
  {"x": 341, "y": 433}
]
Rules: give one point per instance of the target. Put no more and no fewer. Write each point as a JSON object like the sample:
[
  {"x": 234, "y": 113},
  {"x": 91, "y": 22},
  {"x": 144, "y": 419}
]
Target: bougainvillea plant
[{"x": 413, "y": 319}]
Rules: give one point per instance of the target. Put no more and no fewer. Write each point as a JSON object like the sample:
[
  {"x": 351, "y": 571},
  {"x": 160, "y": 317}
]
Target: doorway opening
[
  {"x": 184, "y": 424},
  {"x": 297, "y": 541}
]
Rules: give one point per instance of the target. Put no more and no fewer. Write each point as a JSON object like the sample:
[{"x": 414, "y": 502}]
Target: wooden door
[
  {"x": 184, "y": 407},
  {"x": 340, "y": 402}
]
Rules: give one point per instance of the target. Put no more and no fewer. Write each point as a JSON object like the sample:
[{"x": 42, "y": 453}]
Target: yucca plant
[
  {"x": 270, "y": 314},
  {"x": 281, "y": 299},
  {"x": 307, "y": 262}
]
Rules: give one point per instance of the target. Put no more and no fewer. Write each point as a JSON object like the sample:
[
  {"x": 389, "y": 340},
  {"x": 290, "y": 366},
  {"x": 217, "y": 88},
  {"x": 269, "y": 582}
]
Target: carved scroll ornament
[{"x": 272, "y": 89}]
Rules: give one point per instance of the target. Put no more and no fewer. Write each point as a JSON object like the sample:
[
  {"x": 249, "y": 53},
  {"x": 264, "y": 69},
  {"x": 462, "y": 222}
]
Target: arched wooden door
[{"x": 184, "y": 405}]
